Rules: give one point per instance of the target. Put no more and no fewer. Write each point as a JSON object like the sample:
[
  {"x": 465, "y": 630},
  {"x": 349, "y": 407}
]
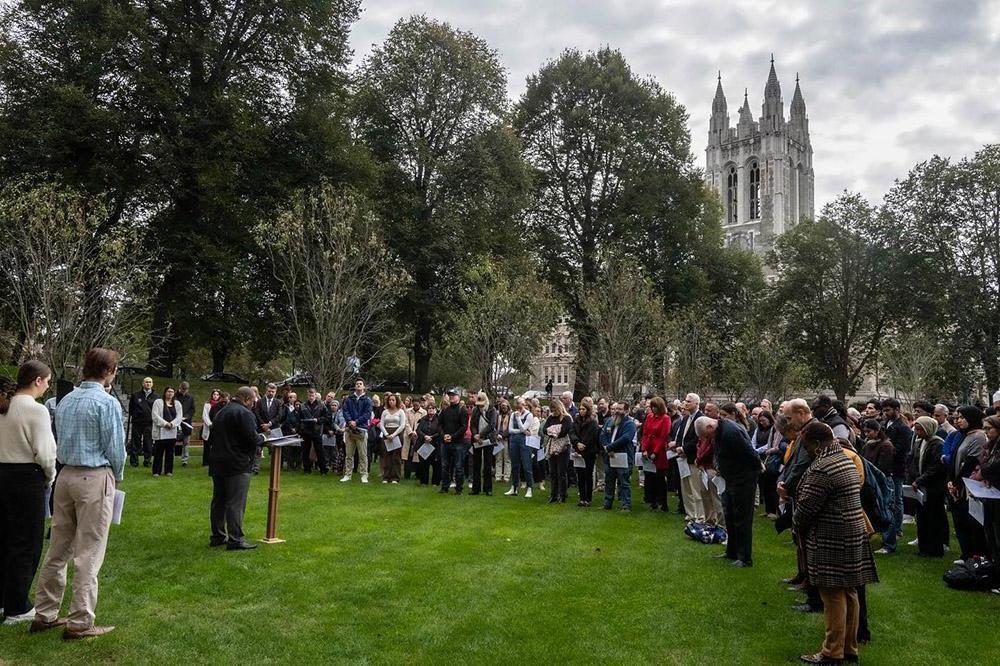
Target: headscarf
[
  {"x": 929, "y": 425},
  {"x": 973, "y": 416}
]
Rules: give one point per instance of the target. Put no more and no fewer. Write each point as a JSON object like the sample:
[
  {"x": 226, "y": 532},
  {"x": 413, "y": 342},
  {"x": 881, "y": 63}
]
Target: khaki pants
[
  {"x": 599, "y": 473},
  {"x": 356, "y": 443},
  {"x": 711, "y": 503},
  {"x": 81, "y": 517},
  {"x": 840, "y": 615},
  {"x": 691, "y": 491}
]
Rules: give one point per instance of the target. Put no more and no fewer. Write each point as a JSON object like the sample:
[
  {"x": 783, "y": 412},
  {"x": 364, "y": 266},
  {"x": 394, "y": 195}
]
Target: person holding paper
[
  {"x": 358, "y": 413},
  {"x": 585, "y": 438},
  {"x": 655, "y": 440},
  {"x": 501, "y": 460},
  {"x": 558, "y": 427},
  {"x": 416, "y": 411},
  {"x": 965, "y": 459},
  {"x": 234, "y": 445},
  {"x": 429, "y": 434},
  {"x": 27, "y": 469},
  {"x": 392, "y": 425},
  {"x": 932, "y": 478},
  {"x": 167, "y": 418},
  {"x": 617, "y": 436},
  {"x": 989, "y": 473},
  {"x": 454, "y": 422},
  {"x": 686, "y": 448},
  {"x": 270, "y": 413},
  {"x": 313, "y": 418},
  {"x": 522, "y": 422},
  {"x": 484, "y": 431},
  {"x": 91, "y": 448}
]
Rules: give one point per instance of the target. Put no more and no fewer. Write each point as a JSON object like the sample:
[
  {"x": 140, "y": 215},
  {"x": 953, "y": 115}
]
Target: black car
[
  {"x": 391, "y": 387},
  {"x": 225, "y": 378}
]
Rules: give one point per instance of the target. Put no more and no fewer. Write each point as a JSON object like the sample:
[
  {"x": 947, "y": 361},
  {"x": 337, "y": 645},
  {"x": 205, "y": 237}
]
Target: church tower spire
[
  {"x": 718, "y": 126},
  {"x": 773, "y": 111},
  {"x": 798, "y": 119},
  {"x": 745, "y": 127}
]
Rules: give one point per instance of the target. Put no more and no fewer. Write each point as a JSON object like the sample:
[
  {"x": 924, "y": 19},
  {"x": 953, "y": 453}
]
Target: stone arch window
[
  {"x": 732, "y": 196},
  {"x": 754, "y": 190}
]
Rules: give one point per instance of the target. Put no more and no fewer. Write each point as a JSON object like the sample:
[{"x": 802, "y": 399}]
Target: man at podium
[{"x": 234, "y": 444}]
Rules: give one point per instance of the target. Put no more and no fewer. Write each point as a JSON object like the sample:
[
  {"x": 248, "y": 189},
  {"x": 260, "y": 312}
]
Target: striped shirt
[{"x": 91, "y": 430}]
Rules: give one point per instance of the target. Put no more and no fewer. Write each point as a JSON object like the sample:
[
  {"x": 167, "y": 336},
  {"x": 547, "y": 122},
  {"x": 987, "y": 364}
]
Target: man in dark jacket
[
  {"x": 453, "y": 421},
  {"x": 686, "y": 447},
  {"x": 140, "y": 416},
  {"x": 186, "y": 401},
  {"x": 270, "y": 413},
  {"x": 314, "y": 417},
  {"x": 901, "y": 437},
  {"x": 739, "y": 465},
  {"x": 358, "y": 414},
  {"x": 823, "y": 410},
  {"x": 234, "y": 440}
]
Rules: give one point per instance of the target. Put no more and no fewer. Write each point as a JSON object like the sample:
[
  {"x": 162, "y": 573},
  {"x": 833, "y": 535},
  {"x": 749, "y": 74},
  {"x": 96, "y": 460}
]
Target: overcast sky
[{"x": 886, "y": 83}]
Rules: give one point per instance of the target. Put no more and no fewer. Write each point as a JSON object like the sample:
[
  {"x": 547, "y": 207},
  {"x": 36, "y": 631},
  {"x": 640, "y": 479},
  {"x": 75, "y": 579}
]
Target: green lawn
[{"x": 401, "y": 574}]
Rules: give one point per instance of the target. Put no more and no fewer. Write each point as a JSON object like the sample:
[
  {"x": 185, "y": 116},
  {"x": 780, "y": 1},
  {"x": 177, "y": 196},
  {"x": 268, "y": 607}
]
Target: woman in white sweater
[
  {"x": 392, "y": 426},
  {"x": 167, "y": 417},
  {"x": 27, "y": 468}
]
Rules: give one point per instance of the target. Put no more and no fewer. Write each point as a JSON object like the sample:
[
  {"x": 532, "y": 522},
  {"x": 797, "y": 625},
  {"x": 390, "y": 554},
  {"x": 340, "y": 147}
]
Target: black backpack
[{"x": 976, "y": 573}]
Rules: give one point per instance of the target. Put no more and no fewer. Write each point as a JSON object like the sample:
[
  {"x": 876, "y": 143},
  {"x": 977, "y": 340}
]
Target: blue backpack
[
  {"x": 705, "y": 533},
  {"x": 877, "y": 497}
]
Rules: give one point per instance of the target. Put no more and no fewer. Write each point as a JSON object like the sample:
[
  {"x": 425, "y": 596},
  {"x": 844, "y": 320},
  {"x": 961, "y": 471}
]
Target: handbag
[{"x": 557, "y": 445}]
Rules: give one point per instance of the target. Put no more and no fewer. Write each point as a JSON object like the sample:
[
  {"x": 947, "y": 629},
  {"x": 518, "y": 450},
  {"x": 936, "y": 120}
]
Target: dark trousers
[
  {"x": 932, "y": 525},
  {"x": 141, "y": 441},
  {"x": 315, "y": 443},
  {"x": 431, "y": 467},
  {"x": 453, "y": 466},
  {"x": 991, "y": 516},
  {"x": 768, "y": 484},
  {"x": 971, "y": 535},
  {"x": 864, "y": 633},
  {"x": 163, "y": 456},
  {"x": 521, "y": 458},
  {"x": 482, "y": 469},
  {"x": 737, "y": 502},
  {"x": 585, "y": 479},
  {"x": 229, "y": 503},
  {"x": 622, "y": 478},
  {"x": 389, "y": 464},
  {"x": 558, "y": 464},
  {"x": 656, "y": 486},
  {"x": 22, "y": 527}
]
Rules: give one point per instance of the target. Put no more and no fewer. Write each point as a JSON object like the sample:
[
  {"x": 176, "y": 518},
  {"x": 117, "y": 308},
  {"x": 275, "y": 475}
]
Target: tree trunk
[
  {"x": 219, "y": 355},
  {"x": 18, "y": 351},
  {"x": 422, "y": 351}
]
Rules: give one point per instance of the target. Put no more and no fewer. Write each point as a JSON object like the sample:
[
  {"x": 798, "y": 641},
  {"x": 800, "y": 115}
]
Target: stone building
[
  {"x": 762, "y": 169},
  {"x": 555, "y": 361}
]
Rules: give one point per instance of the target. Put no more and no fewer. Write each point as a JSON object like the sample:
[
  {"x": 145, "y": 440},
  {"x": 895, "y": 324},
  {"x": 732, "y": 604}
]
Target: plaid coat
[{"x": 828, "y": 512}]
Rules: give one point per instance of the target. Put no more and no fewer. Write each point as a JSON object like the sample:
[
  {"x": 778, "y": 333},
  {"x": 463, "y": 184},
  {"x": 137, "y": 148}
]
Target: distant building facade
[
  {"x": 762, "y": 169},
  {"x": 555, "y": 360}
]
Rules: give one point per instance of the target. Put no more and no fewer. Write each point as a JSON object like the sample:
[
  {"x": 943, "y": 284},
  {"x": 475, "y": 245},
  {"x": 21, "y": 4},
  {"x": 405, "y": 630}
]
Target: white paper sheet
[
  {"x": 648, "y": 466},
  {"x": 393, "y": 445},
  {"x": 541, "y": 455},
  {"x": 704, "y": 479},
  {"x": 481, "y": 443},
  {"x": 917, "y": 495},
  {"x": 720, "y": 484},
  {"x": 119, "y": 506},
  {"x": 619, "y": 460},
  {"x": 273, "y": 434},
  {"x": 981, "y": 490},
  {"x": 976, "y": 510},
  {"x": 48, "y": 506},
  {"x": 533, "y": 441},
  {"x": 638, "y": 458},
  {"x": 671, "y": 455},
  {"x": 498, "y": 449},
  {"x": 578, "y": 460},
  {"x": 683, "y": 468},
  {"x": 425, "y": 451}
]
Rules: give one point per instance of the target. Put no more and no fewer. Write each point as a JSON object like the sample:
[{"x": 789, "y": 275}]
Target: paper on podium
[
  {"x": 578, "y": 460},
  {"x": 917, "y": 495},
  {"x": 393, "y": 445},
  {"x": 426, "y": 450},
  {"x": 533, "y": 441},
  {"x": 976, "y": 510},
  {"x": 720, "y": 484},
  {"x": 289, "y": 440},
  {"x": 683, "y": 468},
  {"x": 619, "y": 460},
  {"x": 648, "y": 466},
  {"x": 981, "y": 490},
  {"x": 116, "y": 512},
  {"x": 276, "y": 434}
]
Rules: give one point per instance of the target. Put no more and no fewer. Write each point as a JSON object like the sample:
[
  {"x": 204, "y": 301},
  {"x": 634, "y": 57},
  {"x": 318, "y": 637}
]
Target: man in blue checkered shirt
[{"x": 91, "y": 449}]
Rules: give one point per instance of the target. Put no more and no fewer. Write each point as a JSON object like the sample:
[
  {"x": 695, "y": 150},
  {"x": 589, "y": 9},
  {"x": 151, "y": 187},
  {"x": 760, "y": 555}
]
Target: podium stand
[{"x": 277, "y": 444}]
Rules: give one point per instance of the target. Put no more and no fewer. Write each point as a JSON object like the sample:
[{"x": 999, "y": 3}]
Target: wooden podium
[{"x": 276, "y": 445}]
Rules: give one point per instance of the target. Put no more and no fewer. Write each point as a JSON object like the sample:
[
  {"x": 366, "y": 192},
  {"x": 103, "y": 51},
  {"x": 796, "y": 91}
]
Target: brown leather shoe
[
  {"x": 39, "y": 624},
  {"x": 90, "y": 632}
]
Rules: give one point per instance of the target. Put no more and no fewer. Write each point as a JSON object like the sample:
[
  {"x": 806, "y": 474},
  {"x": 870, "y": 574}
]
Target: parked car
[
  {"x": 225, "y": 378},
  {"x": 298, "y": 379},
  {"x": 534, "y": 394},
  {"x": 391, "y": 386}
]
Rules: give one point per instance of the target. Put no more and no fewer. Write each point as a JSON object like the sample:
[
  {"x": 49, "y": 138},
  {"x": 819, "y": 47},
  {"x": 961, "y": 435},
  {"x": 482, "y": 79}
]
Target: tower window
[
  {"x": 732, "y": 197},
  {"x": 754, "y": 191}
]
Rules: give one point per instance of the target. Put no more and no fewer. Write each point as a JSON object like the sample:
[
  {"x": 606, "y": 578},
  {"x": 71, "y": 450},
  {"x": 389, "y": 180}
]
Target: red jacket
[{"x": 655, "y": 436}]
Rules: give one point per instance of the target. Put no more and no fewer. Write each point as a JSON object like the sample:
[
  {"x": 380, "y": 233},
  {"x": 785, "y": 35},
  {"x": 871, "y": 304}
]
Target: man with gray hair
[
  {"x": 686, "y": 448},
  {"x": 941, "y": 416},
  {"x": 566, "y": 398}
]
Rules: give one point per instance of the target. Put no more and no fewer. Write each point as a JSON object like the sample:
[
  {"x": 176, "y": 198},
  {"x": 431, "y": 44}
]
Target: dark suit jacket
[
  {"x": 234, "y": 441},
  {"x": 690, "y": 442},
  {"x": 140, "y": 408},
  {"x": 735, "y": 457},
  {"x": 901, "y": 437},
  {"x": 274, "y": 417}
]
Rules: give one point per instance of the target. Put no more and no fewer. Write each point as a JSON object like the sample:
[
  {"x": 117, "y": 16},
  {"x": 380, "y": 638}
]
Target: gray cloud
[{"x": 886, "y": 84}]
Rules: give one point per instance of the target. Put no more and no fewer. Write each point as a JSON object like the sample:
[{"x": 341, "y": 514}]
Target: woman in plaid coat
[{"x": 839, "y": 556}]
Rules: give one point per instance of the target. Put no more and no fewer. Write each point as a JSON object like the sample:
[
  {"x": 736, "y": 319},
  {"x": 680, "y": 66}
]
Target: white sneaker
[
  {"x": 452, "y": 485},
  {"x": 395, "y": 482},
  {"x": 527, "y": 495},
  {"x": 959, "y": 562},
  {"x": 384, "y": 481},
  {"x": 345, "y": 478},
  {"x": 909, "y": 520},
  {"x": 18, "y": 619},
  {"x": 512, "y": 491},
  {"x": 913, "y": 543},
  {"x": 883, "y": 551},
  {"x": 364, "y": 478}
]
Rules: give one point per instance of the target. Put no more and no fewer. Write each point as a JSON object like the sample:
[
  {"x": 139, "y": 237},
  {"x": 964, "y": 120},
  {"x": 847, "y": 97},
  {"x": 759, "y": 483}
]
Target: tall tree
[
  {"x": 432, "y": 103},
  {"x": 838, "y": 292},
  {"x": 613, "y": 167}
]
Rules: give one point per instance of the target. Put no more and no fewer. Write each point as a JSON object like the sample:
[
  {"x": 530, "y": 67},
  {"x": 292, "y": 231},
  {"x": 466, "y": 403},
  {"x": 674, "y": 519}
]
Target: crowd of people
[{"x": 806, "y": 465}]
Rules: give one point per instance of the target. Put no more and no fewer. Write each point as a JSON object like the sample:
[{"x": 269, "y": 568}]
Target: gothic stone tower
[{"x": 761, "y": 169}]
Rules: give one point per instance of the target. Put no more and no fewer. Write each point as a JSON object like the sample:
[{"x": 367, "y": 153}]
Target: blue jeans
[
  {"x": 621, "y": 477},
  {"x": 521, "y": 457},
  {"x": 889, "y": 535},
  {"x": 453, "y": 463}
]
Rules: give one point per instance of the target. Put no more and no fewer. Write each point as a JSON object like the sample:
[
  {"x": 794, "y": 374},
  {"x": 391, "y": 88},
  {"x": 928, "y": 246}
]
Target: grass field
[{"x": 400, "y": 574}]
